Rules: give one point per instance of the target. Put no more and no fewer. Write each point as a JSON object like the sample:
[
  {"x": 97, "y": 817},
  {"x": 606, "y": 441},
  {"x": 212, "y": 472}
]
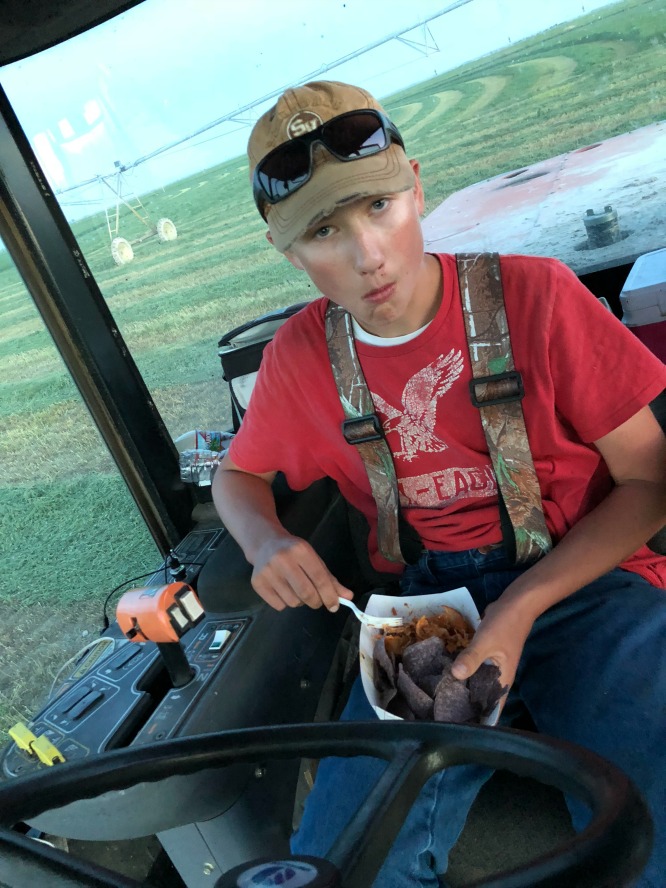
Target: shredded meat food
[{"x": 450, "y": 625}]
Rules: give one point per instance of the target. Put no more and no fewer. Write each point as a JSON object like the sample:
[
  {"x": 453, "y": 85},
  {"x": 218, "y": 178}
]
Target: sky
[{"x": 154, "y": 76}]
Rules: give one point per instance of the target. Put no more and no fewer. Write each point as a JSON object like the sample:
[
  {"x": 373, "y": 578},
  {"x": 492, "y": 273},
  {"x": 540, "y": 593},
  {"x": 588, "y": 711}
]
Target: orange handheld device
[
  {"x": 159, "y": 613},
  {"x": 162, "y": 614}
]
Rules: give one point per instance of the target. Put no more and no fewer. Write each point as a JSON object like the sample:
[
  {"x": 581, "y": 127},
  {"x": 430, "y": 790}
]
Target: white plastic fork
[{"x": 375, "y": 622}]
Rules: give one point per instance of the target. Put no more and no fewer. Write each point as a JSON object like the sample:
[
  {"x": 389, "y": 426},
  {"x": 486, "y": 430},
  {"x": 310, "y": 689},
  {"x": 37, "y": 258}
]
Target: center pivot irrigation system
[
  {"x": 164, "y": 229},
  {"x": 122, "y": 250}
]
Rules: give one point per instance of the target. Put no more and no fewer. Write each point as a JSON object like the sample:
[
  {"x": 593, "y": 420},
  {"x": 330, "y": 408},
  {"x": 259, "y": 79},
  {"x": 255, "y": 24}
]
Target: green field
[{"x": 69, "y": 528}]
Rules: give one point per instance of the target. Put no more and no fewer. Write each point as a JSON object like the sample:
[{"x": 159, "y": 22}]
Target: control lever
[{"x": 162, "y": 614}]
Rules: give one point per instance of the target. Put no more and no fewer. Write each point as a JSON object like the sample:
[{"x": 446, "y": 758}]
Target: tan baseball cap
[{"x": 333, "y": 182}]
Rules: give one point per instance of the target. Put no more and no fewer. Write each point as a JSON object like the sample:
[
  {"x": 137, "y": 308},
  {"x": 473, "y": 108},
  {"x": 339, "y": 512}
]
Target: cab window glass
[{"x": 70, "y": 529}]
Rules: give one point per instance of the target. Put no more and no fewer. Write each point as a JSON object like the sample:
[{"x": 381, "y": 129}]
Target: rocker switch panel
[{"x": 220, "y": 638}]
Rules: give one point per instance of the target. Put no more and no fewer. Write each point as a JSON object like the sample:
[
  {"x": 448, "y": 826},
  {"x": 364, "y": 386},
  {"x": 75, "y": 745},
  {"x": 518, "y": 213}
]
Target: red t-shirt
[{"x": 584, "y": 374}]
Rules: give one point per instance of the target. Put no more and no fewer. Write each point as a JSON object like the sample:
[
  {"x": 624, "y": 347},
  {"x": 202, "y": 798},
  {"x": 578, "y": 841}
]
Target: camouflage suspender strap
[
  {"x": 363, "y": 429},
  {"x": 496, "y": 390}
]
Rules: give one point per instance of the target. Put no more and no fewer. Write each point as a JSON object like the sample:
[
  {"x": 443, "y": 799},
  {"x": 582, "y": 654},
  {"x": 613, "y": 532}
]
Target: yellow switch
[
  {"x": 22, "y": 736},
  {"x": 46, "y": 751}
]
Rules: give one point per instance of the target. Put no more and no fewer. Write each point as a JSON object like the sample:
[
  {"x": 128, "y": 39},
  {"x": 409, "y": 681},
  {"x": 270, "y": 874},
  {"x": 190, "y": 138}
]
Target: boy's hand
[
  {"x": 288, "y": 572},
  {"x": 500, "y": 638}
]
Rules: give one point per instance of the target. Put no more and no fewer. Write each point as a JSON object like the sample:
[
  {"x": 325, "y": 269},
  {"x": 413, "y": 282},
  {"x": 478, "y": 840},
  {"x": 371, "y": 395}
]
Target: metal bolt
[
  {"x": 208, "y": 868},
  {"x": 259, "y": 773}
]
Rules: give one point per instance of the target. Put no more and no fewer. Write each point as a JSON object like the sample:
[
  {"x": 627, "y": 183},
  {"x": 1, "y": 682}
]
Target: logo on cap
[{"x": 303, "y": 122}]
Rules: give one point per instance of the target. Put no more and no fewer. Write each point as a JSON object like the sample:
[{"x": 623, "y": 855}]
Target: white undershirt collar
[{"x": 370, "y": 339}]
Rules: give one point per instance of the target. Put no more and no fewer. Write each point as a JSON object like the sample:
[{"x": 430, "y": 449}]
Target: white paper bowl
[{"x": 408, "y": 608}]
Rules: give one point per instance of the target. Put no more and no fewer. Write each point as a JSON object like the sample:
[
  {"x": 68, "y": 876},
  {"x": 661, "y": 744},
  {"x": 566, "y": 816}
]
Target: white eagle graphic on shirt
[{"x": 415, "y": 421}]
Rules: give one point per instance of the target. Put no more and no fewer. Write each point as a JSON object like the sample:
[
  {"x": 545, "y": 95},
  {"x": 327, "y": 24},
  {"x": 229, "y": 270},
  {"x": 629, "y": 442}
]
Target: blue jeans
[{"x": 593, "y": 671}]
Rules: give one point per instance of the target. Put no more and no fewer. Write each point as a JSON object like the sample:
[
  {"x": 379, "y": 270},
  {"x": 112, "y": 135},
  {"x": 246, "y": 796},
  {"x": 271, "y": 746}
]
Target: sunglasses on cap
[{"x": 348, "y": 136}]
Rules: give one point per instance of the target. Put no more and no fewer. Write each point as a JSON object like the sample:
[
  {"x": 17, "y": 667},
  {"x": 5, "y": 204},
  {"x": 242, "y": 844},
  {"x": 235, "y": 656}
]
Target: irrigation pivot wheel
[
  {"x": 611, "y": 851},
  {"x": 121, "y": 251},
  {"x": 166, "y": 230}
]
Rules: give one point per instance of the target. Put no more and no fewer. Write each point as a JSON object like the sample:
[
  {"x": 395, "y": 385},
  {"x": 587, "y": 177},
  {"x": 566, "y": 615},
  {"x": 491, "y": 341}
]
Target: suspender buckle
[
  {"x": 506, "y": 387},
  {"x": 363, "y": 429}
]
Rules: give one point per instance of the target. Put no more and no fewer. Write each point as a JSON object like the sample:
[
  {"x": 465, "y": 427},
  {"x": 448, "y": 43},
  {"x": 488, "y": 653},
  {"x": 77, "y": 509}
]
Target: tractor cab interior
[
  {"x": 251, "y": 668},
  {"x": 171, "y": 762}
]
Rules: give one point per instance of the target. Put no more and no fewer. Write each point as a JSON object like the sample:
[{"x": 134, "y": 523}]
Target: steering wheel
[{"x": 612, "y": 850}]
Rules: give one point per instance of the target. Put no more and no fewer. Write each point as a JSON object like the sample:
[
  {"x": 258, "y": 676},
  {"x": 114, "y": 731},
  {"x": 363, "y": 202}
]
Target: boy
[{"x": 578, "y": 637}]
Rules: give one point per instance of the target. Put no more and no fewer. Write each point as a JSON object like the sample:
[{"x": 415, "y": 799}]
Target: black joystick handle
[{"x": 175, "y": 660}]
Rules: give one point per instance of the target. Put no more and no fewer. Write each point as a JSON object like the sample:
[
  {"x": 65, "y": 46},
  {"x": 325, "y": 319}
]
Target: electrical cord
[
  {"x": 77, "y": 656},
  {"x": 105, "y": 618},
  {"x": 174, "y": 570}
]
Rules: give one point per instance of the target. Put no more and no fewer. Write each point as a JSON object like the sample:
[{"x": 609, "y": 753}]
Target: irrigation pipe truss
[{"x": 236, "y": 115}]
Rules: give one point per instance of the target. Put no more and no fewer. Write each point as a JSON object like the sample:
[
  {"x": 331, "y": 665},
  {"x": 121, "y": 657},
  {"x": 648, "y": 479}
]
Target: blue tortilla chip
[
  {"x": 398, "y": 706},
  {"x": 429, "y": 683},
  {"x": 452, "y": 703},
  {"x": 417, "y": 700},
  {"x": 485, "y": 690},
  {"x": 425, "y": 657},
  {"x": 384, "y": 666}
]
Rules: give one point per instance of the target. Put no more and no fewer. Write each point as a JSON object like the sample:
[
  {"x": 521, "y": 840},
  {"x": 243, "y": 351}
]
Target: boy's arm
[
  {"x": 634, "y": 510},
  {"x": 287, "y": 570}
]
